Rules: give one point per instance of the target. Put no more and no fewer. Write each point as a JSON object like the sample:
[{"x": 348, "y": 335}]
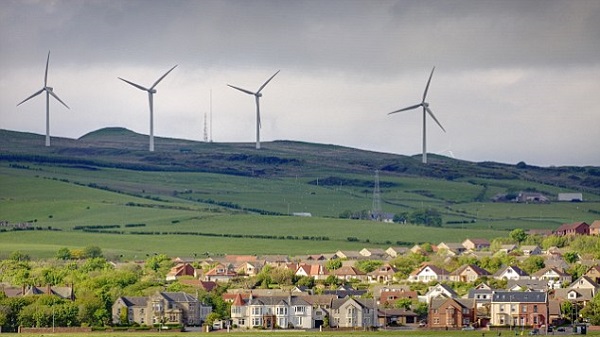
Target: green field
[{"x": 193, "y": 198}]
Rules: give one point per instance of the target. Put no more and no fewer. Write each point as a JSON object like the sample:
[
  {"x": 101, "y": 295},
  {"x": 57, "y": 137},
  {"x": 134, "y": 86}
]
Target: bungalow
[
  {"x": 507, "y": 248},
  {"x": 595, "y": 228},
  {"x": 387, "y": 298},
  {"x": 511, "y": 308},
  {"x": 248, "y": 268},
  {"x": 181, "y": 269},
  {"x": 570, "y": 196},
  {"x": 476, "y": 244},
  {"x": 511, "y": 273},
  {"x": 373, "y": 253},
  {"x": 348, "y": 255},
  {"x": 554, "y": 276},
  {"x": 396, "y": 251},
  {"x": 316, "y": 271},
  {"x": 451, "y": 313},
  {"x": 66, "y": 293},
  {"x": 427, "y": 273},
  {"x": 439, "y": 290},
  {"x": 468, "y": 273},
  {"x": 593, "y": 273},
  {"x": 348, "y": 273},
  {"x": 451, "y": 248},
  {"x": 384, "y": 274},
  {"x": 529, "y": 250},
  {"x": 576, "y": 228},
  {"x": 220, "y": 273}
]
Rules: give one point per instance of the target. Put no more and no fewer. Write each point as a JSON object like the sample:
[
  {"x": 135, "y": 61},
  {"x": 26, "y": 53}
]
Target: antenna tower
[
  {"x": 211, "y": 139},
  {"x": 376, "y": 208},
  {"x": 205, "y": 129}
]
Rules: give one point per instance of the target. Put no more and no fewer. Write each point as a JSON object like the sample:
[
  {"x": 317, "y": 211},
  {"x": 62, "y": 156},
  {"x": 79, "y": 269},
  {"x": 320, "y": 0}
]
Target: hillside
[{"x": 233, "y": 198}]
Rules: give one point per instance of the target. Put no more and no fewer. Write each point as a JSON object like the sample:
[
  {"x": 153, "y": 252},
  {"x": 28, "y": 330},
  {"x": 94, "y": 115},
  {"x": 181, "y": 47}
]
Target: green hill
[{"x": 232, "y": 198}]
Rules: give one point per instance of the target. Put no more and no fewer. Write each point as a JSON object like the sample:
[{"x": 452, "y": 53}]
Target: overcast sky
[{"x": 514, "y": 80}]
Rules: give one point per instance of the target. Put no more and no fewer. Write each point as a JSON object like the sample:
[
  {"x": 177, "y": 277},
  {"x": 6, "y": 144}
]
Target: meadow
[{"x": 193, "y": 198}]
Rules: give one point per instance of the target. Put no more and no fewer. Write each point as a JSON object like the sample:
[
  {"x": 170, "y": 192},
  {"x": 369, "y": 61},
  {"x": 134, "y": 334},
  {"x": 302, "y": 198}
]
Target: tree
[
  {"x": 571, "y": 257},
  {"x": 367, "y": 266},
  {"x": 518, "y": 235},
  {"x": 428, "y": 217},
  {"x": 63, "y": 254},
  {"x": 333, "y": 264},
  {"x": 212, "y": 317},
  {"x": 403, "y": 303},
  {"x": 592, "y": 310},
  {"x": 533, "y": 264},
  {"x": 92, "y": 252},
  {"x": 18, "y": 256}
]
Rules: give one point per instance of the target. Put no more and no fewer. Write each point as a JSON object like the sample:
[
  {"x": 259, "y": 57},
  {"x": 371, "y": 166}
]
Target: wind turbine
[
  {"x": 257, "y": 96},
  {"x": 426, "y": 111},
  {"x": 49, "y": 92},
  {"x": 151, "y": 92}
]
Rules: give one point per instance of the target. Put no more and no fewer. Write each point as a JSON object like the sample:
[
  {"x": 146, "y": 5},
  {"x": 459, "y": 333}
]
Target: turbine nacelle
[
  {"x": 258, "y": 94},
  {"x": 152, "y": 91},
  {"x": 425, "y": 104}
]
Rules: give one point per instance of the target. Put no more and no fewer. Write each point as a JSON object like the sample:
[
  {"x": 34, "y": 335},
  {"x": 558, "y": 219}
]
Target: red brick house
[
  {"x": 451, "y": 313},
  {"x": 576, "y": 228}
]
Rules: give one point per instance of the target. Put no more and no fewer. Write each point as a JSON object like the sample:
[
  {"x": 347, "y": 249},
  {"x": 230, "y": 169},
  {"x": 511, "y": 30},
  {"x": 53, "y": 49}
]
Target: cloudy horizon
[{"x": 514, "y": 80}]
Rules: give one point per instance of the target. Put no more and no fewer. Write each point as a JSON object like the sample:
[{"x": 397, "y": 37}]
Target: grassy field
[{"x": 171, "y": 204}]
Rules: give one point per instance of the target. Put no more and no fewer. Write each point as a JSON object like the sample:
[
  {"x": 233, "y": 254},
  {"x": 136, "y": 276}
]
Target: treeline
[{"x": 232, "y": 205}]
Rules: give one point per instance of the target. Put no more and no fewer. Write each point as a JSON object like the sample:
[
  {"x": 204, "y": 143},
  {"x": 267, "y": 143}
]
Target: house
[
  {"x": 389, "y": 297},
  {"x": 427, "y": 273},
  {"x": 476, "y": 244},
  {"x": 527, "y": 285},
  {"x": 451, "y": 313},
  {"x": 170, "y": 308},
  {"x": 595, "y": 228},
  {"x": 316, "y": 271},
  {"x": 276, "y": 260},
  {"x": 507, "y": 248},
  {"x": 593, "y": 273},
  {"x": 570, "y": 197},
  {"x": 534, "y": 197},
  {"x": 384, "y": 274},
  {"x": 344, "y": 291},
  {"x": 482, "y": 294},
  {"x": 584, "y": 282},
  {"x": 396, "y": 317},
  {"x": 529, "y": 250},
  {"x": 554, "y": 276},
  {"x": 248, "y": 268},
  {"x": 219, "y": 273},
  {"x": 576, "y": 228},
  {"x": 540, "y": 232},
  {"x": 468, "y": 273},
  {"x": 348, "y": 255},
  {"x": 197, "y": 283},
  {"x": 181, "y": 269},
  {"x": 66, "y": 293},
  {"x": 451, "y": 248},
  {"x": 348, "y": 273},
  {"x": 396, "y": 251},
  {"x": 351, "y": 312},
  {"x": 521, "y": 308},
  {"x": 270, "y": 312},
  {"x": 373, "y": 253},
  {"x": 439, "y": 290},
  {"x": 511, "y": 273}
]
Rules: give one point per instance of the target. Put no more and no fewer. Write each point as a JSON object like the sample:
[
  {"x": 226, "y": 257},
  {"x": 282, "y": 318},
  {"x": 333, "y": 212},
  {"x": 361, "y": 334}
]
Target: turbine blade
[
  {"x": 55, "y": 96},
  {"x": 161, "y": 78},
  {"x": 242, "y": 90},
  {"x": 435, "y": 119},
  {"x": 409, "y": 108},
  {"x": 135, "y": 85},
  {"x": 427, "y": 86},
  {"x": 32, "y": 96},
  {"x": 46, "y": 74},
  {"x": 269, "y": 80}
]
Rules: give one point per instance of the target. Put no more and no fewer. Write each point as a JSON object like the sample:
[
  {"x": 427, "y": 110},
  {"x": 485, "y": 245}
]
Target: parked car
[
  {"x": 468, "y": 328},
  {"x": 560, "y": 329},
  {"x": 534, "y": 332}
]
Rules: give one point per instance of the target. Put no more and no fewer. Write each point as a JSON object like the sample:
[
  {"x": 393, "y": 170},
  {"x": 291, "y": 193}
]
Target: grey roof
[
  {"x": 519, "y": 296},
  {"x": 178, "y": 297},
  {"x": 135, "y": 301},
  {"x": 278, "y": 300},
  {"x": 338, "y": 302}
]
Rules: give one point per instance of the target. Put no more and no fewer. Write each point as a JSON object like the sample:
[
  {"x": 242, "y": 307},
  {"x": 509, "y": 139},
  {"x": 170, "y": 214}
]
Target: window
[
  {"x": 436, "y": 320},
  {"x": 535, "y": 308},
  {"x": 524, "y": 308},
  {"x": 241, "y": 321},
  {"x": 351, "y": 311},
  {"x": 299, "y": 320},
  {"x": 465, "y": 311},
  {"x": 513, "y": 308},
  {"x": 299, "y": 309},
  {"x": 256, "y": 311},
  {"x": 236, "y": 310},
  {"x": 282, "y": 322},
  {"x": 256, "y": 321},
  {"x": 282, "y": 311},
  {"x": 350, "y": 321},
  {"x": 466, "y": 321},
  {"x": 501, "y": 308}
]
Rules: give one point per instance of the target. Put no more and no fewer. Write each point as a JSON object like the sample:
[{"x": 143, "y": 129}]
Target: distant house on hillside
[
  {"x": 570, "y": 197},
  {"x": 476, "y": 244},
  {"x": 595, "y": 228},
  {"x": 577, "y": 228}
]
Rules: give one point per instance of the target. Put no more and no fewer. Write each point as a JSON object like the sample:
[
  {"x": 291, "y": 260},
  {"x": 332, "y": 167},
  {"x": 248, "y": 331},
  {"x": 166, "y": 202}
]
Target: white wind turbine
[
  {"x": 49, "y": 92},
  {"x": 151, "y": 92},
  {"x": 426, "y": 111},
  {"x": 257, "y": 96}
]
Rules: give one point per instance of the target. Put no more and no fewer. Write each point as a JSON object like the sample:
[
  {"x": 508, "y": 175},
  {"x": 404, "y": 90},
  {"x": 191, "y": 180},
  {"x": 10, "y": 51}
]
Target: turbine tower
[
  {"x": 49, "y": 92},
  {"x": 426, "y": 111},
  {"x": 257, "y": 96},
  {"x": 376, "y": 207},
  {"x": 151, "y": 92}
]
